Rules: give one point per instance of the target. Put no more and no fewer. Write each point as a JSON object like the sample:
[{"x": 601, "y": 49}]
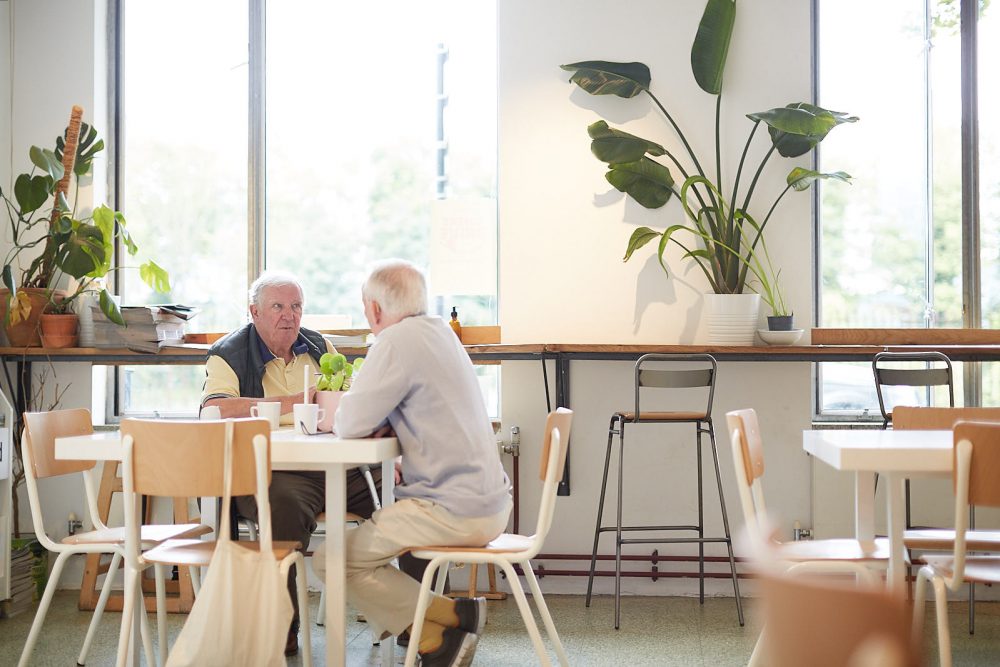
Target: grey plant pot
[{"x": 779, "y": 322}]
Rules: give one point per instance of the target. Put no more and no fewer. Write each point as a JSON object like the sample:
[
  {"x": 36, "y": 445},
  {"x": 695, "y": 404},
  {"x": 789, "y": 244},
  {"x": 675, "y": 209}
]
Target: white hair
[
  {"x": 273, "y": 279},
  {"x": 398, "y": 287}
]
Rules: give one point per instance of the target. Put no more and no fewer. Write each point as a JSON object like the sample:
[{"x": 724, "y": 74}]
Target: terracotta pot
[
  {"x": 59, "y": 330},
  {"x": 327, "y": 402},
  {"x": 26, "y": 333}
]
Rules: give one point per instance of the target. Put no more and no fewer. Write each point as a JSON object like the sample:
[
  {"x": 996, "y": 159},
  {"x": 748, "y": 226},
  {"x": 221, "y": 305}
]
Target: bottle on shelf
[{"x": 456, "y": 326}]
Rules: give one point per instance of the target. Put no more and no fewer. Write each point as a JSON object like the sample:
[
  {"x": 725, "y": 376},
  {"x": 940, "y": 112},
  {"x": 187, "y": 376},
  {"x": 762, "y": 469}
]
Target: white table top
[
  {"x": 290, "y": 449},
  {"x": 877, "y": 450}
]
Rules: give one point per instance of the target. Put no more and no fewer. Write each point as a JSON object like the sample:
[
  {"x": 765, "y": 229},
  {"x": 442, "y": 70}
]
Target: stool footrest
[
  {"x": 674, "y": 540},
  {"x": 614, "y": 529}
]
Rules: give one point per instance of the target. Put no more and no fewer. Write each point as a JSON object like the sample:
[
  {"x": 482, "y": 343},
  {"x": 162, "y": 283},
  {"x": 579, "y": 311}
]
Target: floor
[{"x": 657, "y": 631}]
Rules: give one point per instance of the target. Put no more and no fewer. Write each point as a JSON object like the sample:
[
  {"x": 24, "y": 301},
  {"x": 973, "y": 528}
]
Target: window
[
  {"x": 370, "y": 125},
  {"x": 890, "y": 245}
]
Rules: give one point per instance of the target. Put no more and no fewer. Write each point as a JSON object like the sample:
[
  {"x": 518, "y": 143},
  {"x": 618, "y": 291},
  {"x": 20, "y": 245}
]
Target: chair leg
[
  {"x": 944, "y": 637},
  {"x": 618, "y": 530},
  {"x": 161, "y": 611},
  {"x": 543, "y": 609},
  {"x": 43, "y": 608},
  {"x": 701, "y": 519},
  {"x": 303, "y": 595},
  {"x": 195, "y": 579},
  {"x": 321, "y": 614},
  {"x": 147, "y": 640},
  {"x": 725, "y": 524},
  {"x": 442, "y": 578},
  {"x": 423, "y": 601},
  {"x": 919, "y": 604},
  {"x": 526, "y": 615},
  {"x": 102, "y": 602},
  {"x": 600, "y": 510},
  {"x": 757, "y": 658}
]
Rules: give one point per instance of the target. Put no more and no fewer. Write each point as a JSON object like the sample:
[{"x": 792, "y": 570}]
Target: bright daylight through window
[
  {"x": 890, "y": 246},
  {"x": 365, "y": 159}
]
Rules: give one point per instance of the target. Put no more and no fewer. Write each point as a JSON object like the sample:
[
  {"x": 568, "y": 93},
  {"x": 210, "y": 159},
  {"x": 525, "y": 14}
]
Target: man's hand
[
  {"x": 384, "y": 432},
  {"x": 398, "y": 468}
]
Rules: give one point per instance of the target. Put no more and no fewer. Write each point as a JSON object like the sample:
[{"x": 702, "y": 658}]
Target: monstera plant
[
  {"x": 51, "y": 239},
  {"x": 718, "y": 230}
]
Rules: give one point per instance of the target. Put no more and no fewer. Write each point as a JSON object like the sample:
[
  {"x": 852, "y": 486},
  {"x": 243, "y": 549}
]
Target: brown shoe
[{"x": 292, "y": 643}]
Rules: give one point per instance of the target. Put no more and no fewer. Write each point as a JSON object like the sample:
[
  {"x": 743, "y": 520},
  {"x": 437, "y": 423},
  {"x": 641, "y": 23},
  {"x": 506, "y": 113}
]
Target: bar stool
[{"x": 685, "y": 371}]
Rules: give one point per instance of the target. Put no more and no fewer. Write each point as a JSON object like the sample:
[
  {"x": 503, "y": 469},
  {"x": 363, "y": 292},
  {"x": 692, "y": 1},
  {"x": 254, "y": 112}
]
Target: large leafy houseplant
[
  {"x": 727, "y": 243},
  {"x": 74, "y": 245}
]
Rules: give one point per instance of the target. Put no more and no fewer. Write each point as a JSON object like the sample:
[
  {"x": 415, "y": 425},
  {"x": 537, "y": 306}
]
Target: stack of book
[
  {"x": 147, "y": 328},
  {"x": 24, "y": 567}
]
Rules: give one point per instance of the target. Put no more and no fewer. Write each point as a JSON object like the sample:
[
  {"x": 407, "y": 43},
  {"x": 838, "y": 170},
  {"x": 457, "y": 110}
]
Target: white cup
[
  {"x": 271, "y": 411},
  {"x": 306, "y": 416},
  {"x": 210, "y": 413}
]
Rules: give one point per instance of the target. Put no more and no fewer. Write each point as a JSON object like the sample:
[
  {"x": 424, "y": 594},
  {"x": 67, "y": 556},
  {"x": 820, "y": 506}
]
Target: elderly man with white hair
[
  {"x": 419, "y": 381},
  {"x": 264, "y": 360}
]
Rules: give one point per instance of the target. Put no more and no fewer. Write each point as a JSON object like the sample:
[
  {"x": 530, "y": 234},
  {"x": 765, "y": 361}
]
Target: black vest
[{"x": 241, "y": 350}]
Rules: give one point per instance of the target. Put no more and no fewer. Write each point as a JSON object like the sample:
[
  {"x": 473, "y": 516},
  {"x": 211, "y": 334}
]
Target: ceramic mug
[
  {"x": 306, "y": 416},
  {"x": 269, "y": 410},
  {"x": 210, "y": 413}
]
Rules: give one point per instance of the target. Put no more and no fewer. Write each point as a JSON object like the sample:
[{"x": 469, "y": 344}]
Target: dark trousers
[{"x": 297, "y": 498}]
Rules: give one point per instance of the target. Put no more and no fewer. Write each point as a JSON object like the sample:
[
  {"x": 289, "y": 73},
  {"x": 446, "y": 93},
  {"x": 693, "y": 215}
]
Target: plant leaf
[
  {"x": 711, "y": 44},
  {"x": 31, "y": 192},
  {"x": 83, "y": 252},
  {"x": 646, "y": 181},
  {"x": 601, "y": 77},
  {"x": 640, "y": 237},
  {"x": 155, "y": 276},
  {"x": 613, "y": 146},
  {"x": 800, "y": 179},
  {"x": 797, "y": 128},
  {"x": 20, "y": 307},
  {"x": 110, "y": 308}
]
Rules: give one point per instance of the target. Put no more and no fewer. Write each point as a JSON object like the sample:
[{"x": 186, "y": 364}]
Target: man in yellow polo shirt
[{"x": 264, "y": 360}]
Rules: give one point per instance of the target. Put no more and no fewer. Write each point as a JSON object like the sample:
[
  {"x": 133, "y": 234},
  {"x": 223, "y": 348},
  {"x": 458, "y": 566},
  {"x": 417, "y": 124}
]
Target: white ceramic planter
[
  {"x": 731, "y": 318},
  {"x": 328, "y": 402}
]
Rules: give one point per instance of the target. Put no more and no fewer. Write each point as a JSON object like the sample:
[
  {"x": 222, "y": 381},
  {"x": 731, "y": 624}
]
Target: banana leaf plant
[
  {"x": 81, "y": 247},
  {"x": 726, "y": 237}
]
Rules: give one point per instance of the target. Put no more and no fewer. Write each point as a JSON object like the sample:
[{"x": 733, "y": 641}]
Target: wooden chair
[
  {"x": 38, "y": 447},
  {"x": 977, "y": 482},
  {"x": 508, "y": 550},
  {"x": 823, "y": 624},
  {"x": 186, "y": 458},
  {"x": 937, "y": 539}
]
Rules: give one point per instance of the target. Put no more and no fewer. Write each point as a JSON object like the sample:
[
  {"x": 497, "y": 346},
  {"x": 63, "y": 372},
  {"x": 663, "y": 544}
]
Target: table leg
[
  {"x": 387, "y": 648},
  {"x": 864, "y": 505},
  {"x": 336, "y": 627},
  {"x": 895, "y": 484}
]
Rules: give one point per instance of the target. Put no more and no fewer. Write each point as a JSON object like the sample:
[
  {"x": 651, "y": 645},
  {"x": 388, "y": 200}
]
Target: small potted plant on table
[{"x": 335, "y": 375}]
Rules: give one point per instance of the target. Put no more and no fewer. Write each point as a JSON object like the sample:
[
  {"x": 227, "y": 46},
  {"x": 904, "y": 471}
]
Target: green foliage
[
  {"x": 80, "y": 247},
  {"x": 335, "y": 372},
  {"x": 727, "y": 239}
]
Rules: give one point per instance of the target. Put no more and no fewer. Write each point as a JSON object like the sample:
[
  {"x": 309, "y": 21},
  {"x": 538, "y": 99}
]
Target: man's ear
[
  {"x": 377, "y": 312},
  {"x": 253, "y": 311}
]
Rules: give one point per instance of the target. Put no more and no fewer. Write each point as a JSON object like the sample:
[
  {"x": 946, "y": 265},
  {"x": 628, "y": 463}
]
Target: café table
[
  {"x": 895, "y": 456},
  {"x": 292, "y": 450}
]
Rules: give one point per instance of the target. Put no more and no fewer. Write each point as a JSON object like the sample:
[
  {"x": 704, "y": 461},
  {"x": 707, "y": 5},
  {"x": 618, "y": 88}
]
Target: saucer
[{"x": 780, "y": 337}]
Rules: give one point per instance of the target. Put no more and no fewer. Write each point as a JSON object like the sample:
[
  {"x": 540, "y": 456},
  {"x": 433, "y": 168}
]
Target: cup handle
[
  {"x": 320, "y": 414},
  {"x": 253, "y": 411}
]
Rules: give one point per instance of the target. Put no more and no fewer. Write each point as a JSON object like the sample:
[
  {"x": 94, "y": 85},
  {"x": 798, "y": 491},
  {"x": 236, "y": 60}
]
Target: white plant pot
[{"x": 731, "y": 318}]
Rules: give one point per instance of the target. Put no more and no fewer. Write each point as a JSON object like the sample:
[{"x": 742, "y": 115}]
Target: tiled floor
[{"x": 656, "y": 631}]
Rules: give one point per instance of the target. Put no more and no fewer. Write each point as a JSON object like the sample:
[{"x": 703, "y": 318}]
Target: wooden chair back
[
  {"x": 41, "y": 430},
  {"x": 561, "y": 419},
  {"x": 943, "y": 419},
  {"x": 984, "y": 471},
  {"x": 186, "y": 458},
  {"x": 554, "y": 448},
  {"x": 820, "y": 623},
  {"x": 745, "y": 430}
]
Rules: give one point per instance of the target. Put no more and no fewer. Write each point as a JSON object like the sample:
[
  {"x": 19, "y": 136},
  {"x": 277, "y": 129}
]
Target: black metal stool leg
[
  {"x": 618, "y": 527},
  {"x": 725, "y": 523},
  {"x": 600, "y": 510},
  {"x": 701, "y": 522}
]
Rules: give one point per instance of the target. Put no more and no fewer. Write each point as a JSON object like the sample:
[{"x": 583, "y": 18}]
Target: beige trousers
[{"x": 386, "y": 596}]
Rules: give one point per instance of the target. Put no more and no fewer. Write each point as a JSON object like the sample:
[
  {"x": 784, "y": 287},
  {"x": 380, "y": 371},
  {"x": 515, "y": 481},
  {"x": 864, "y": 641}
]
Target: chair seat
[
  {"x": 663, "y": 416},
  {"x": 935, "y": 539},
  {"x": 148, "y": 535},
  {"x": 198, "y": 553},
  {"x": 505, "y": 543},
  {"x": 834, "y": 550},
  {"x": 978, "y": 570}
]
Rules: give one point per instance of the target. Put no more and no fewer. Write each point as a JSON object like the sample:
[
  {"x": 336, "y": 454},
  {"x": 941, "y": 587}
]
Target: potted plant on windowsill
[
  {"x": 723, "y": 235},
  {"x": 73, "y": 246},
  {"x": 335, "y": 375}
]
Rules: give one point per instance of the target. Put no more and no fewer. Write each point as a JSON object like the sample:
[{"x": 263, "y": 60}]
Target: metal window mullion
[
  {"x": 971, "y": 255},
  {"x": 256, "y": 173},
  {"x": 928, "y": 314}
]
